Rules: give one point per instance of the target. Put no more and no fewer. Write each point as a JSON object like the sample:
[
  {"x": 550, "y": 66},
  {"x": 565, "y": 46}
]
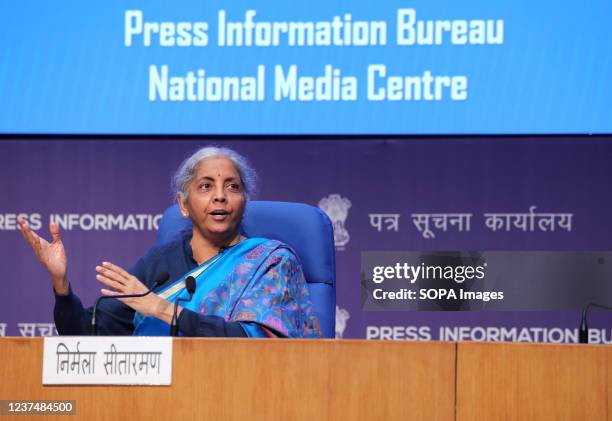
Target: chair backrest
[{"x": 305, "y": 228}]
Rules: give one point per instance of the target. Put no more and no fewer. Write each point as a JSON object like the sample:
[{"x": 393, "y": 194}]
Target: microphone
[
  {"x": 190, "y": 286},
  {"x": 584, "y": 329},
  {"x": 161, "y": 279}
]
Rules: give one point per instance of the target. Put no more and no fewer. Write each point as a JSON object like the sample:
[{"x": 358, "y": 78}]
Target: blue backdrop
[{"x": 128, "y": 182}]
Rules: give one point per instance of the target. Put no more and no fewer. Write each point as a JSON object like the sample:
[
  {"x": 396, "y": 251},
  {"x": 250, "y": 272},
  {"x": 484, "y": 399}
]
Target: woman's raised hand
[{"x": 52, "y": 254}]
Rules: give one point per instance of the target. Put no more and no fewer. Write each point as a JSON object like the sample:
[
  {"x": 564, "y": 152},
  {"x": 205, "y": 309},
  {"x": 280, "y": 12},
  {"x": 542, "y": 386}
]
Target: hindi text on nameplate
[{"x": 107, "y": 360}]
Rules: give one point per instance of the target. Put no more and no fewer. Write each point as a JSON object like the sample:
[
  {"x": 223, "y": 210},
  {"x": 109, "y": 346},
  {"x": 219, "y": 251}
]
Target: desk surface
[{"x": 265, "y": 379}]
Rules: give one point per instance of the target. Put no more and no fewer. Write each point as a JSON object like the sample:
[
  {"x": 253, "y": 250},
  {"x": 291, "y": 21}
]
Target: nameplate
[{"x": 107, "y": 360}]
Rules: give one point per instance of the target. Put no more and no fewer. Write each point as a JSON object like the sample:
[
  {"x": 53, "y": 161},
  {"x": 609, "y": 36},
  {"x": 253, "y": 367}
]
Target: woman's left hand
[{"x": 122, "y": 282}]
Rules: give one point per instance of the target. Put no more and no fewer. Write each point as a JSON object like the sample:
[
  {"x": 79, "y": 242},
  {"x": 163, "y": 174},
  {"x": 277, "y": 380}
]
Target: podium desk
[
  {"x": 259, "y": 379},
  {"x": 518, "y": 381},
  {"x": 287, "y": 379}
]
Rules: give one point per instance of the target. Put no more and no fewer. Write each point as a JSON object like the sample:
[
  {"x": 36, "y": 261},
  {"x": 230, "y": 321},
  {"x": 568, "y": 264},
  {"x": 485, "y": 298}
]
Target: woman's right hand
[{"x": 51, "y": 254}]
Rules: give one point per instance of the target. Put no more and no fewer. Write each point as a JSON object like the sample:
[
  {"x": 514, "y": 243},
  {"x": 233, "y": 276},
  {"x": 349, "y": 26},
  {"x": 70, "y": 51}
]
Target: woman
[{"x": 244, "y": 286}]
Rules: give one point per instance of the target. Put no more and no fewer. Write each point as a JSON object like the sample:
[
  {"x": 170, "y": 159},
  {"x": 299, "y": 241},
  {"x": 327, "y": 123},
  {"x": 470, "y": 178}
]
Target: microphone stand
[
  {"x": 584, "y": 329},
  {"x": 190, "y": 286}
]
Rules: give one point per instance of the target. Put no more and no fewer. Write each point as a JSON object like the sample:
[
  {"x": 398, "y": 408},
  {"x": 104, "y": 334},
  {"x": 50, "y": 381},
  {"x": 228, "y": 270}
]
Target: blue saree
[{"x": 258, "y": 282}]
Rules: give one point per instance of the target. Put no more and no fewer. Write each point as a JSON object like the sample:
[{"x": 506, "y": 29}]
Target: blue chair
[{"x": 305, "y": 228}]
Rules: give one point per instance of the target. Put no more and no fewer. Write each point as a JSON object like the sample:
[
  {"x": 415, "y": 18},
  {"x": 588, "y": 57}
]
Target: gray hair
[{"x": 187, "y": 171}]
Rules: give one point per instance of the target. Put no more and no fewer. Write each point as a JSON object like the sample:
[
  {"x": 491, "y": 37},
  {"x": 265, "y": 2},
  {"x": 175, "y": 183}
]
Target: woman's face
[{"x": 216, "y": 199}]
